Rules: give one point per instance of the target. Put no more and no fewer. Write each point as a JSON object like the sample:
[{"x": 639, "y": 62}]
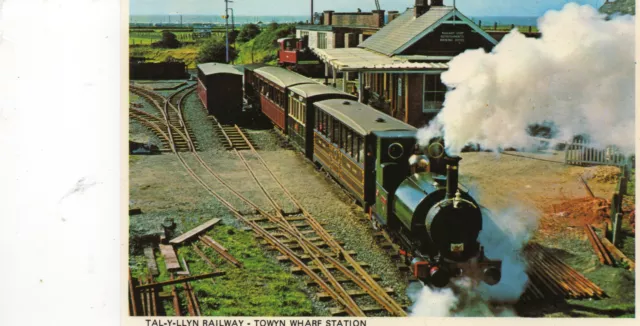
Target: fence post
[{"x": 617, "y": 226}]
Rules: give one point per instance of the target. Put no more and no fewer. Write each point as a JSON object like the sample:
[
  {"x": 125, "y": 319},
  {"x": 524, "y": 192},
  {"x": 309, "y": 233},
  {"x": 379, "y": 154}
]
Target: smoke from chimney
[{"x": 579, "y": 76}]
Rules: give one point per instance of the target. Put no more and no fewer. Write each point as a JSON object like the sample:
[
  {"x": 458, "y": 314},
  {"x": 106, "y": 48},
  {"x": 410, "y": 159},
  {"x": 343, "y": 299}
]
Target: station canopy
[{"x": 359, "y": 59}]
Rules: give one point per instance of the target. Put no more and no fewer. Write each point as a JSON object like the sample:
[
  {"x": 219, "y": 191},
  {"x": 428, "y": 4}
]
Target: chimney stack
[
  {"x": 392, "y": 14},
  {"x": 328, "y": 17},
  {"x": 422, "y": 6},
  {"x": 437, "y": 3}
]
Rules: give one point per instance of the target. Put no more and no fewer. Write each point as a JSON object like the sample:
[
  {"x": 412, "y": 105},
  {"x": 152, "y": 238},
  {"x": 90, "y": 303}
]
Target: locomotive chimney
[{"x": 452, "y": 175}]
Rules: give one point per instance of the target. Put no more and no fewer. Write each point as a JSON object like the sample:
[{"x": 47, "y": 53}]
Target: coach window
[
  {"x": 348, "y": 145},
  {"x": 325, "y": 124},
  {"x": 360, "y": 150}
]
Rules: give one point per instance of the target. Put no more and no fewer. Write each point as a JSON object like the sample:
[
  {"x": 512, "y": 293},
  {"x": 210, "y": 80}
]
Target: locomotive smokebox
[{"x": 452, "y": 174}]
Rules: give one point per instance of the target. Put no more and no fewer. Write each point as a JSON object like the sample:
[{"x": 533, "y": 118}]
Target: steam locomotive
[{"x": 412, "y": 195}]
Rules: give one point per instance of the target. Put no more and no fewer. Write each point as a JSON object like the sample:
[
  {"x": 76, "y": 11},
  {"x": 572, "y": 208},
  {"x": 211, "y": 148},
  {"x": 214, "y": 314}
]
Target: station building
[{"x": 397, "y": 69}]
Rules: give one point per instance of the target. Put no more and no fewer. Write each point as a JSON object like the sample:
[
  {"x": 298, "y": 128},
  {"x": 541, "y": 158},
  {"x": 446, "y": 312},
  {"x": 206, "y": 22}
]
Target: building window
[
  {"x": 434, "y": 91},
  {"x": 304, "y": 34},
  {"x": 322, "y": 40}
]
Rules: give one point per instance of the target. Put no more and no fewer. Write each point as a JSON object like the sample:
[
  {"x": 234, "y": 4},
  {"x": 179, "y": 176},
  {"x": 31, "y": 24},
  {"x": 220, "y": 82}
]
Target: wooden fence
[{"x": 579, "y": 153}]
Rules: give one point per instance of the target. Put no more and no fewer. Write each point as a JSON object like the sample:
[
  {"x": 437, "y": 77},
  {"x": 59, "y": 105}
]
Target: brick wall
[
  {"x": 369, "y": 19},
  {"x": 414, "y": 115}
]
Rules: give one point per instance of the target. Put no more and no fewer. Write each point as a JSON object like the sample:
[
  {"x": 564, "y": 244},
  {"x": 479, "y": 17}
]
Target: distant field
[
  {"x": 186, "y": 53},
  {"x": 147, "y": 36}
]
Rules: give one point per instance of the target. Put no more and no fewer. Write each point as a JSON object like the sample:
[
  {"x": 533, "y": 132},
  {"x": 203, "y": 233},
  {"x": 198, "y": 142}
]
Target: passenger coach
[
  {"x": 300, "y": 114},
  {"x": 220, "y": 90},
  {"x": 271, "y": 85},
  {"x": 349, "y": 136}
]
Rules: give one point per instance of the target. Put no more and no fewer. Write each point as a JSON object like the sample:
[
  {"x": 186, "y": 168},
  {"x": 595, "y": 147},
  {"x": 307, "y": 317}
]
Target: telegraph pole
[
  {"x": 226, "y": 26},
  {"x": 311, "y": 12}
]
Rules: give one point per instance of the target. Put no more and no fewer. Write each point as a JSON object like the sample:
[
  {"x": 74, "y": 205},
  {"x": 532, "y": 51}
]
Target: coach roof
[
  {"x": 283, "y": 77},
  {"x": 212, "y": 68},
  {"x": 361, "y": 118},
  {"x": 316, "y": 89}
]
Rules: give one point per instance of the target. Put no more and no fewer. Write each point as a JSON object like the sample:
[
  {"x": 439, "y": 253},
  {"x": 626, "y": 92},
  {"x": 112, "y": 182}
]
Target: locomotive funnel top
[{"x": 452, "y": 163}]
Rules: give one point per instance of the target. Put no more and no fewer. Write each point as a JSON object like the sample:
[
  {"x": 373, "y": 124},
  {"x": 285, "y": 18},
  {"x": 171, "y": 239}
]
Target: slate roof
[
  {"x": 402, "y": 29},
  {"x": 213, "y": 68}
]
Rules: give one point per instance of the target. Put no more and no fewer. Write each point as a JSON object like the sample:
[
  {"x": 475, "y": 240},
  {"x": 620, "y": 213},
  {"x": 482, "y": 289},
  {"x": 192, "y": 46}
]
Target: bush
[
  {"x": 248, "y": 32},
  {"x": 168, "y": 41},
  {"x": 214, "y": 50}
]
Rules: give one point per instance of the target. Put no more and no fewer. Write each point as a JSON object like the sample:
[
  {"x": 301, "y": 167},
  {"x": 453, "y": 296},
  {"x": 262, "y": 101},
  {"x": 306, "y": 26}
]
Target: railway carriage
[
  {"x": 301, "y": 113},
  {"x": 250, "y": 91},
  {"x": 272, "y": 86},
  {"x": 347, "y": 139},
  {"x": 220, "y": 90}
]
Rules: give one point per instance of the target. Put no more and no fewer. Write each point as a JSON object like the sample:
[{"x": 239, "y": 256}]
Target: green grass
[
  {"x": 631, "y": 184},
  {"x": 187, "y": 54},
  {"x": 261, "y": 288}
]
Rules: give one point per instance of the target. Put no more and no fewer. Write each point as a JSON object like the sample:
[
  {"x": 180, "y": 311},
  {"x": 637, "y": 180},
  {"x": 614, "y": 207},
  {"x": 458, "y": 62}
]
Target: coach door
[{"x": 336, "y": 127}]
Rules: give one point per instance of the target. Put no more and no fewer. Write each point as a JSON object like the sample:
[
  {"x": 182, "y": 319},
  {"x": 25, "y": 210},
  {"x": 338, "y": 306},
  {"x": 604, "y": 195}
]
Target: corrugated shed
[{"x": 402, "y": 29}]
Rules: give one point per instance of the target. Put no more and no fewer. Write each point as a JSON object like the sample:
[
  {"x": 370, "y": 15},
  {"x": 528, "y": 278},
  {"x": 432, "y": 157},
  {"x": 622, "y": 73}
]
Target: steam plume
[{"x": 579, "y": 75}]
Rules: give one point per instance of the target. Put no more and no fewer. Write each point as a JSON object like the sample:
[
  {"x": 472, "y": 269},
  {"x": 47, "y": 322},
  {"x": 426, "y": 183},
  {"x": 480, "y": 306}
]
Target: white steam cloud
[{"x": 579, "y": 75}]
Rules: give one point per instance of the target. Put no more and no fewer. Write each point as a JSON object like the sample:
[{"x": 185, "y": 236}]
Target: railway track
[
  {"x": 178, "y": 134},
  {"x": 231, "y": 136},
  {"x": 298, "y": 237}
]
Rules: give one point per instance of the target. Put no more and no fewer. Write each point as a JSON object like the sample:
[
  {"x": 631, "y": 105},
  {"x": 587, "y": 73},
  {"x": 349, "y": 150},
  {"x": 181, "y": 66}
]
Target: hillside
[
  {"x": 263, "y": 48},
  {"x": 627, "y": 7}
]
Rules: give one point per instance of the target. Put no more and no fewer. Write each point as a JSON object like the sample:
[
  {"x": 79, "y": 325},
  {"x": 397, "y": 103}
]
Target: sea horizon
[{"x": 151, "y": 20}]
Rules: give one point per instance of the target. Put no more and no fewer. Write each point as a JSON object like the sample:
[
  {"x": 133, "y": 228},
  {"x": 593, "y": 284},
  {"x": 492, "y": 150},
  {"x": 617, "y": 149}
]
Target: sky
[{"x": 302, "y": 7}]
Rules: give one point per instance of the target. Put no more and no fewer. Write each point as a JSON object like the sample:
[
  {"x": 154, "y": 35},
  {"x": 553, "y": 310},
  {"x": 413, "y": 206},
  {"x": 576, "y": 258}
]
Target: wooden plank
[
  {"x": 195, "y": 231},
  {"x": 618, "y": 254},
  {"x": 180, "y": 280},
  {"x": 170, "y": 258},
  {"x": 151, "y": 261}
]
